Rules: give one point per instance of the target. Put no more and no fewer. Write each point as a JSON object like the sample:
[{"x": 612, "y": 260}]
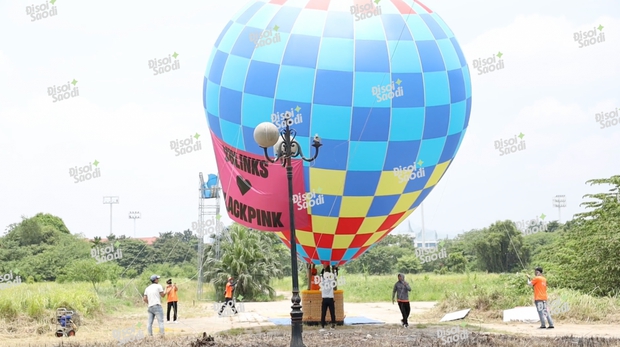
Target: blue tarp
[
  {"x": 347, "y": 321},
  {"x": 209, "y": 190}
]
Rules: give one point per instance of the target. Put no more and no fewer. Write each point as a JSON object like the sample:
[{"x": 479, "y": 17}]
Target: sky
[{"x": 124, "y": 118}]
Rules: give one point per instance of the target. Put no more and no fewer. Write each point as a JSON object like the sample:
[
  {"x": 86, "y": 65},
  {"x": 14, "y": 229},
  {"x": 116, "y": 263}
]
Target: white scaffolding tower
[{"x": 208, "y": 210}]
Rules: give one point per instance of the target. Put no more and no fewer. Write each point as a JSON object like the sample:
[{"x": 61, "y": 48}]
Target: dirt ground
[{"x": 201, "y": 318}]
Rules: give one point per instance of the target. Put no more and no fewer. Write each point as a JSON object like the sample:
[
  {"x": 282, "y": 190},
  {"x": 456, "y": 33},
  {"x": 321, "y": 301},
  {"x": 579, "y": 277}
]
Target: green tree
[
  {"x": 46, "y": 219},
  {"x": 409, "y": 264},
  {"x": 250, "y": 257},
  {"x": 586, "y": 255},
  {"x": 500, "y": 248},
  {"x": 87, "y": 270},
  {"x": 457, "y": 262}
]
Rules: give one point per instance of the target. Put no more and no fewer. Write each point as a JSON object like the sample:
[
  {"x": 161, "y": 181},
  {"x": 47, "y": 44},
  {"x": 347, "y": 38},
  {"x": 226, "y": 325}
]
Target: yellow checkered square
[
  {"x": 405, "y": 201},
  {"x": 331, "y": 182},
  {"x": 439, "y": 170},
  {"x": 355, "y": 206},
  {"x": 390, "y": 184},
  {"x": 376, "y": 236},
  {"x": 371, "y": 224},
  {"x": 327, "y": 225},
  {"x": 342, "y": 241},
  {"x": 305, "y": 238}
]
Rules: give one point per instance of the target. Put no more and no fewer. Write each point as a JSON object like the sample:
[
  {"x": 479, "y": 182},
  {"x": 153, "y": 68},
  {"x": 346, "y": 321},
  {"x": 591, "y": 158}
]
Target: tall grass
[
  {"x": 488, "y": 294},
  {"x": 39, "y": 301}
]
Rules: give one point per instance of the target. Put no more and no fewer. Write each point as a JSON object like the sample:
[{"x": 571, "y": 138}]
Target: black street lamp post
[{"x": 286, "y": 147}]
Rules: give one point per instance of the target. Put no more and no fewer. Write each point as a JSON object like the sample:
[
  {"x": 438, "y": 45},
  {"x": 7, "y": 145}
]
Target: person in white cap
[{"x": 152, "y": 297}]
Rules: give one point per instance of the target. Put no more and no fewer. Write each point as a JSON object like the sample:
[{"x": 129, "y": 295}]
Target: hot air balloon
[{"x": 385, "y": 85}]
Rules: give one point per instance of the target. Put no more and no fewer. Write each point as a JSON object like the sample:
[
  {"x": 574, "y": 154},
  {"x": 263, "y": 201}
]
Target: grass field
[{"x": 483, "y": 293}]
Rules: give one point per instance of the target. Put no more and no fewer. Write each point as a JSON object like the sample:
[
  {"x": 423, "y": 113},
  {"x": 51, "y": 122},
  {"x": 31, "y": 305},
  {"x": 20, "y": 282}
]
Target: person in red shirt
[{"x": 540, "y": 297}]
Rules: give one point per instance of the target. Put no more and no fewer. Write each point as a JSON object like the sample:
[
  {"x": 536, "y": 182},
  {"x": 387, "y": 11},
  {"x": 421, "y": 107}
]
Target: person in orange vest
[
  {"x": 228, "y": 296},
  {"x": 313, "y": 285},
  {"x": 173, "y": 299},
  {"x": 540, "y": 297}
]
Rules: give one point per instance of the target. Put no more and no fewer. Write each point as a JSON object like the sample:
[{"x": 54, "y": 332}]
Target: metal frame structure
[{"x": 207, "y": 207}]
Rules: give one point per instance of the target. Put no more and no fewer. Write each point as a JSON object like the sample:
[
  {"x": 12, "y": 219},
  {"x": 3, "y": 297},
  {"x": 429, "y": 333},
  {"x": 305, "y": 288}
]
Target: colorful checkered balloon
[{"x": 384, "y": 83}]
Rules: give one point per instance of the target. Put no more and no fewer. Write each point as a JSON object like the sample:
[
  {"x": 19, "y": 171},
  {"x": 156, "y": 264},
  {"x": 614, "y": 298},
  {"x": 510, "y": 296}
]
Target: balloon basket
[{"x": 311, "y": 301}]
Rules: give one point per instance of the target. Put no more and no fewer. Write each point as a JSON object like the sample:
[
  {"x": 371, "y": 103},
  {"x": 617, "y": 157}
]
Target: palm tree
[{"x": 250, "y": 257}]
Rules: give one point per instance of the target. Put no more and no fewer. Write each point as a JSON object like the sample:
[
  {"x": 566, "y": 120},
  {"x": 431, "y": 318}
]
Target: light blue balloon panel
[{"x": 390, "y": 96}]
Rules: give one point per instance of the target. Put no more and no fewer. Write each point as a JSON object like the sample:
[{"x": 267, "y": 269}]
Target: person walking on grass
[
  {"x": 540, "y": 297},
  {"x": 327, "y": 293},
  {"x": 173, "y": 299},
  {"x": 152, "y": 297},
  {"x": 401, "y": 290}
]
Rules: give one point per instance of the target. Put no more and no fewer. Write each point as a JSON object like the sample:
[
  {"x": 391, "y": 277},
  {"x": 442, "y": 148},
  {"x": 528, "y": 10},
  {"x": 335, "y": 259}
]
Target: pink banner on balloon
[{"x": 255, "y": 190}]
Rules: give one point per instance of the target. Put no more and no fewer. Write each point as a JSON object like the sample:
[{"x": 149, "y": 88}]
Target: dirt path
[{"x": 257, "y": 314}]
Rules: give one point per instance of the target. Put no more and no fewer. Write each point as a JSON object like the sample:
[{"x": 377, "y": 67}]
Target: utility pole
[
  {"x": 110, "y": 200},
  {"x": 559, "y": 201},
  {"x": 134, "y": 215}
]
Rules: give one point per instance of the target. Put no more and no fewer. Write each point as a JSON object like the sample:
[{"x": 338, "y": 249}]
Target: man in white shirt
[
  {"x": 327, "y": 293},
  {"x": 152, "y": 296}
]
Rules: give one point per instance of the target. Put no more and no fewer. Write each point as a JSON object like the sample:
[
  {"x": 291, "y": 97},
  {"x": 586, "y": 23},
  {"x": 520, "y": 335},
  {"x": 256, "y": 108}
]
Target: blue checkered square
[
  {"x": 450, "y": 147},
  {"x": 232, "y": 134},
  {"x": 231, "y": 109},
  {"x": 430, "y": 151},
  {"x": 361, "y": 183},
  {"x": 406, "y": 124},
  {"x": 382, "y": 205},
  {"x": 365, "y": 118},
  {"x": 435, "y": 28},
  {"x": 212, "y": 93},
  {"x": 457, "y": 117},
  {"x": 420, "y": 30},
  {"x": 432, "y": 61},
  {"x": 413, "y": 90},
  {"x": 366, "y": 155},
  {"x": 330, "y": 208},
  {"x": 343, "y": 61},
  {"x": 396, "y": 28},
  {"x": 401, "y": 153},
  {"x": 302, "y": 50},
  {"x": 333, "y": 88},
  {"x": 441, "y": 117},
  {"x": 256, "y": 109},
  {"x": 438, "y": 83},
  {"x": 261, "y": 79},
  {"x": 219, "y": 61},
  {"x": 457, "y": 86},
  {"x": 339, "y": 25},
  {"x": 336, "y": 157},
  {"x": 235, "y": 72},
  {"x": 296, "y": 83},
  {"x": 331, "y": 122},
  {"x": 401, "y": 53},
  {"x": 371, "y": 56}
]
